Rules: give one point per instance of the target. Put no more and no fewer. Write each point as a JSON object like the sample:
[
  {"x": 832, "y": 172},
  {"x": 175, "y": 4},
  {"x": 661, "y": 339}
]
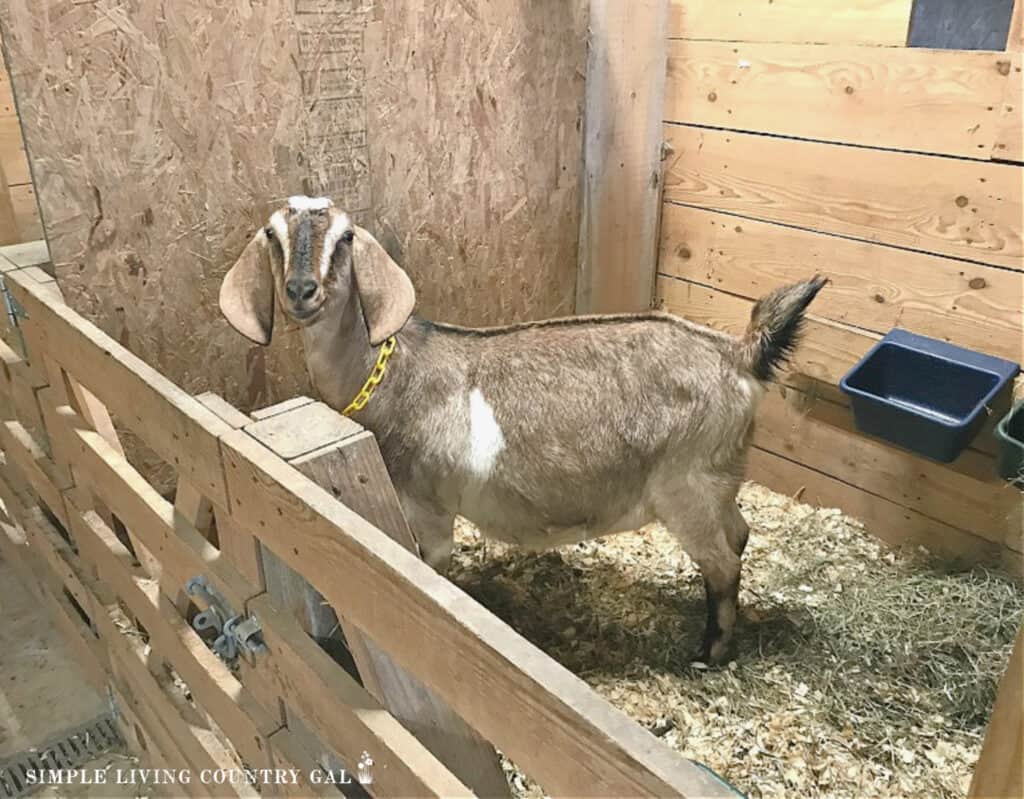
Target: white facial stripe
[
  {"x": 486, "y": 440},
  {"x": 302, "y": 203},
  {"x": 280, "y": 228},
  {"x": 339, "y": 225}
]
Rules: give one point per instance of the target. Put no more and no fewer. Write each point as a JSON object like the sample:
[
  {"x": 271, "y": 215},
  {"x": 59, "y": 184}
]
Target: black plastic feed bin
[
  {"x": 1010, "y": 432},
  {"x": 923, "y": 394}
]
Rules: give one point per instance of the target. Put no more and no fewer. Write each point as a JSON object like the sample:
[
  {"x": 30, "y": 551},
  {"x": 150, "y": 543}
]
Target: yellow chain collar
[{"x": 376, "y": 375}]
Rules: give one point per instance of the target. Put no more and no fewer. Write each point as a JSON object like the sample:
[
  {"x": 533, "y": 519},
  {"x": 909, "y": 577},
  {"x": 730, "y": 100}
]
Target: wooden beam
[
  {"x": 622, "y": 150},
  {"x": 933, "y": 101},
  {"x": 965, "y": 209},
  {"x": 1000, "y": 769},
  {"x": 829, "y": 21}
]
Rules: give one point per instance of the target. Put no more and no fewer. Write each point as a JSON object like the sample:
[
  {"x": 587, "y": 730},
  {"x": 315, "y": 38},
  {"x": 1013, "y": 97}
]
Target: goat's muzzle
[{"x": 305, "y": 298}]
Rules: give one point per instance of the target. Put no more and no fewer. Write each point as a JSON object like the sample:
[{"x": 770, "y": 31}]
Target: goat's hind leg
[{"x": 714, "y": 536}]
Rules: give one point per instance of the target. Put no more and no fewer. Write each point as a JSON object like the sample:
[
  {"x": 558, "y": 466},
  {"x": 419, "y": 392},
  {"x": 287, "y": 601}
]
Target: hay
[{"x": 858, "y": 671}]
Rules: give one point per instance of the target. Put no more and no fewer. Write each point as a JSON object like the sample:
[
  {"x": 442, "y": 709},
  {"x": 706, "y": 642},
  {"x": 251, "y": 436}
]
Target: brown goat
[{"x": 541, "y": 434}]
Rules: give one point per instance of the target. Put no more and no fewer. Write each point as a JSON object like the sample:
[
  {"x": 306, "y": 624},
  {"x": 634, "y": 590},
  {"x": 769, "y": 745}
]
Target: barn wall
[
  {"x": 161, "y": 133},
  {"x": 19, "y": 216},
  {"x": 895, "y": 171}
]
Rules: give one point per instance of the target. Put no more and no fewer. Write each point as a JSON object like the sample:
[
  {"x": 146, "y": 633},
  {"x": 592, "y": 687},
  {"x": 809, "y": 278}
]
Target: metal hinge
[{"x": 235, "y": 633}]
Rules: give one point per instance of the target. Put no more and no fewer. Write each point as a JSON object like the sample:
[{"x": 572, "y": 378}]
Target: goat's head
[{"x": 316, "y": 261}]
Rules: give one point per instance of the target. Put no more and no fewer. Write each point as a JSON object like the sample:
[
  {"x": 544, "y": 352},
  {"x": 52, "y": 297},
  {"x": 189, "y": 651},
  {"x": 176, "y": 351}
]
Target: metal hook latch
[{"x": 235, "y": 633}]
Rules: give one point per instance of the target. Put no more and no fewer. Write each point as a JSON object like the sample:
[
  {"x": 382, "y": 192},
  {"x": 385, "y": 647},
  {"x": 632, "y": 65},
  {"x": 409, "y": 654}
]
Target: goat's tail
[{"x": 775, "y": 326}]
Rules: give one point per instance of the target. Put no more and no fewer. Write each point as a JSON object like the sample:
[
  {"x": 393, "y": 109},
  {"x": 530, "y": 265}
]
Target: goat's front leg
[{"x": 433, "y": 529}]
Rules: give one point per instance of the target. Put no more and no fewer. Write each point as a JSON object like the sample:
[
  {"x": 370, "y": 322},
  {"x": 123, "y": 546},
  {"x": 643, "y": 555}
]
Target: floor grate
[{"x": 69, "y": 750}]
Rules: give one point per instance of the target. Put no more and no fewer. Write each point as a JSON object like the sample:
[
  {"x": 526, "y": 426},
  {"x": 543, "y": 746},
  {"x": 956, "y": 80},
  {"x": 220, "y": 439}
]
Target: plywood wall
[
  {"x": 162, "y": 132},
  {"x": 799, "y": 144}
]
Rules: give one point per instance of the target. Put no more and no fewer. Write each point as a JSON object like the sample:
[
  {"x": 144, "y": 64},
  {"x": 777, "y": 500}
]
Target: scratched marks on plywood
[
  {"x": 159, "y": 150},
  {"x": 475, "y": 123}
]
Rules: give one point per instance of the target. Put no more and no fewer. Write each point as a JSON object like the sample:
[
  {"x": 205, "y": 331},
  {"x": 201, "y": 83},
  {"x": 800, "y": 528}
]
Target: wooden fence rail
[{"x": 111, "y": 555}]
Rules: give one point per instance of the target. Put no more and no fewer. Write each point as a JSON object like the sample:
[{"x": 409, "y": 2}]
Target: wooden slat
[
  {"x": 622, "y": 156},
  {"x": 10, "y": 229},
  {"x": 184, "y": 552},
  {"x": 214, "y": 687},
  {"x": 346, "y": 717},
  {"x": 889, "y": 521},
  {"x": 1000, "y": 769},
  {"x": 26, "y": 212},
  {"x": 872, "y": 287},
  {"x": 177, "y": 427},
  {"x": 352, "y": 720},
  {"x": 830, "y": 21},
  {"x": 30, "y": 460},
  {"x": 966, "y": 209},
  {"x": 406, "y": 607},
  {"x": 13, "y": 160},
  {"x": 29, "y": 253},
  {"x": 820, "y": 435},
  {"x": 1009, "y": 143},
  {"x": 934, "y": 101},
  {"x": 129, "y": 658}
]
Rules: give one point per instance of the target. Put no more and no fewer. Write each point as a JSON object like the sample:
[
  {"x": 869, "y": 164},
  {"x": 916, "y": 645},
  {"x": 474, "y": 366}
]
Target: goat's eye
[
  {"x": 268, "y": 232},
  {"x": 348, "y": 236}
]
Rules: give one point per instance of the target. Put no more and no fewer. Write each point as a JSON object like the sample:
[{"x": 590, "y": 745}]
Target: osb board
[
  {"x": 475, "y": 122},
  {"x": 158, "y": 151}
]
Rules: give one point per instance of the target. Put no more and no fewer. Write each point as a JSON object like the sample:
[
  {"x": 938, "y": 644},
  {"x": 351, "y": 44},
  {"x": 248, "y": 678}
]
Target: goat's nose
[{"x": 300, "y": 288}]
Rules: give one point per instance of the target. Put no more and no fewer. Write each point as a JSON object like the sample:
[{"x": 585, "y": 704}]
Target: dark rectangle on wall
[{"x": 960, "y": 24}]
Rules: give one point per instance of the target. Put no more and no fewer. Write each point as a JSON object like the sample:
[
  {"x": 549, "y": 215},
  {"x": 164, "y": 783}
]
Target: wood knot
[
  {"x": 848, "y": 90},
  {"x": 713, "y": 96},
  {"x": 977, "y": 283},
  {"x": 879, "y": 298},
  {"x": 682, "y": 251},
  {"x": 1003, "y": 67},
  {"x": 961, "y": 201}
]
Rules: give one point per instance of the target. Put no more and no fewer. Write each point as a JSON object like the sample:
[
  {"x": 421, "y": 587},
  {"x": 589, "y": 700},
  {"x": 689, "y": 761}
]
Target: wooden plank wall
[
  {"x": 805, "y": 136},
  {"x": 19, "y": 214}
]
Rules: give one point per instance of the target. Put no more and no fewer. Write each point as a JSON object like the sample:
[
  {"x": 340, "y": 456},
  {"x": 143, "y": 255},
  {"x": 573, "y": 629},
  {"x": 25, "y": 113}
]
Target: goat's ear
[
  {"x": 247, "y": 293},
  {"x": 384, "y": 289}
]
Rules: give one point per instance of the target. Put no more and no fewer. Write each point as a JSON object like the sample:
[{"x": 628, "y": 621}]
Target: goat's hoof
[{"x": 712, "y": 655}]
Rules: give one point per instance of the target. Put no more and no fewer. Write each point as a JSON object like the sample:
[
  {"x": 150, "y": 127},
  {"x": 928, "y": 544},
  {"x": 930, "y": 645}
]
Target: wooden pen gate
[{"x": 112, "y": 557}]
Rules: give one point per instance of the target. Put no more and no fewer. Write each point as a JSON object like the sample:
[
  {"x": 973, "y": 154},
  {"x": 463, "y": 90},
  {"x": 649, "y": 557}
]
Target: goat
[{"x": 542, "y": 434}]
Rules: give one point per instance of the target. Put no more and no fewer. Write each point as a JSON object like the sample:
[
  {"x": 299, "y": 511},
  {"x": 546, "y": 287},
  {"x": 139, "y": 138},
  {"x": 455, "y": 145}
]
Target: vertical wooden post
[
  {"x": 339, "y": 455},
  {"x": 622, "y": 149},
  {"x": 1000, "y": 769}
]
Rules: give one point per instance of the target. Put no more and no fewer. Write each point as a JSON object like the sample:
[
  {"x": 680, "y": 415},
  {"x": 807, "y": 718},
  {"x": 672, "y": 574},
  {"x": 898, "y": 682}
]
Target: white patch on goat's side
[
  {"x": 300, "y": 202},
  {"x": 339, "y": 225},
  {"x": 280, "y": 228},
  {"x": 486, "y": 440}
]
